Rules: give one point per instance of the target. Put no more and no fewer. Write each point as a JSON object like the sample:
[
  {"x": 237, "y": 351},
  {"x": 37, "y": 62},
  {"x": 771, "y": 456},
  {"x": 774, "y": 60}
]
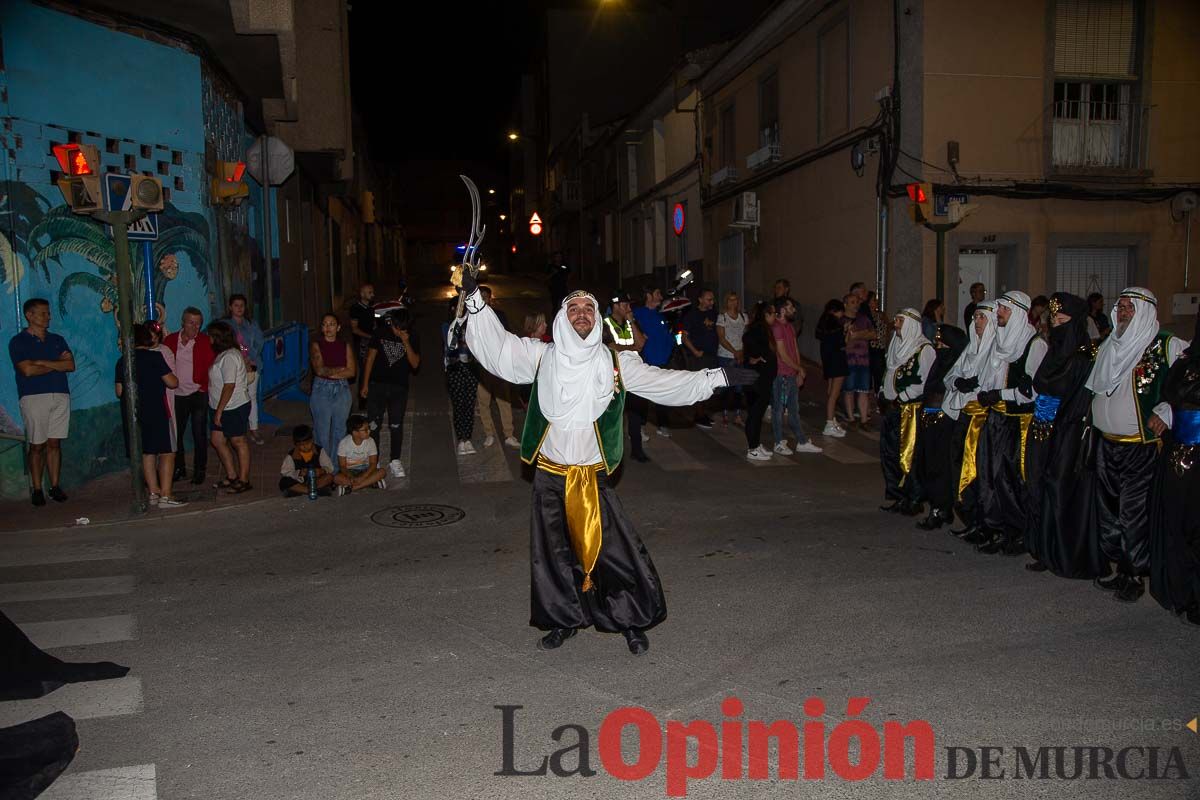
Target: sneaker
[
  {"x": 758, "y": 454},
  {"x": 664, "y": 432},
  {"x": 513, "y": 442},
  {"x": 468, "y": 448},
  {"x": 808, "y": 447},
  {"x": 645, "y": 437},
  {"x": 782, "y": 448},
  {"x": 833, "y": 429},
  {"x": 170, "y": 502},
  {"x": 489, "y": 440},
  {"x": 397, "y": 468},
  {"x": 704, "y": 424},
  {"x": 342, "y": 491},
  {"x": 57, "y": 494},
  {"x": 381, "y": 484},
  {"x": 37, "y": 497},
  {"x": 154, "y": 498},
  {"x": 254, "y": 437}
]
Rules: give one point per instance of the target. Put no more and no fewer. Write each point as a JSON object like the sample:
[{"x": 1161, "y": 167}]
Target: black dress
[
  {"x": 1175, "y": 498},
  {"x": 1059, "y": 497},
  {"x": 154, "y": 419},
  {"x": 831, "y": 332}
]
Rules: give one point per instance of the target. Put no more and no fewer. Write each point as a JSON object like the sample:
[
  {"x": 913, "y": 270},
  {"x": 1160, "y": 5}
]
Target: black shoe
[
  {"x": 180, "y": 474},
  {"x": 964, "y": 531},
  {"x": 994, "y": 544},
  {"x": 976, "y": 536},
  {"x": 197, "y": 478},
  {"x": 1036, "y": 566},
  {"x": 37, "y": 497},
  {"x": 1113, "y": 584},
  {"x": 1131, "y": 591},
  {"x": 640, "y": 457},
  {"x": 1014, "y": 546},
  {"x": 894, "y": 508},
  {"x": 637, "y": 640},
  {"x": 910, "y": 509},
  {"x": 57, "y": 494},
  {"x": 935, "y": 520},
  {"x": 704, "y": 423},
  {"x": 555, "y": 638}
]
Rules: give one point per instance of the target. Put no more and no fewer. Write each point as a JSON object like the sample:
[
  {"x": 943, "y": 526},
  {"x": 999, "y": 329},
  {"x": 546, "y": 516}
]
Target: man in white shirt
[
  {"x": 589, "y": 567},
  {"x": 1127, "y": 411},
  {"x": 1009, "y": 396}
]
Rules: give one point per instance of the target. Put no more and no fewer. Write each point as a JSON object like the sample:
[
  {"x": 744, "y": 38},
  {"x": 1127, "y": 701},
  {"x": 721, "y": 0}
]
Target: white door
[
  {"x": 1083, "y": 270},
  {"x": 973, "y": 268}
]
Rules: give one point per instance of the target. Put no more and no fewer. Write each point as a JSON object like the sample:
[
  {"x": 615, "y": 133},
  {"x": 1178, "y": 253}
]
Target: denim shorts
[{"x": 858, "y": 380}]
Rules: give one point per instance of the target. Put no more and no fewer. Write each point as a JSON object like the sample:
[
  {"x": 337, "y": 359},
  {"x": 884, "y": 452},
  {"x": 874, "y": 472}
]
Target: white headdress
[
  {"x": 973, "y": 361},
  {"x": 905, "y": 343},
  {"x": 575, "y": 379},
  {"x": 1121, "y": 352}
]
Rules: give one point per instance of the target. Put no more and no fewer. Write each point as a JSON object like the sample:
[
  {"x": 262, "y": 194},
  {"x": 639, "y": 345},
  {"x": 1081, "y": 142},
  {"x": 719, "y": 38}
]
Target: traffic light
[
  {"x": 227, "y": 186},
  {"x": 145, "y": 192},
  {"x": 920, "y": 206},
  {"x": 80, "y": 184},
  {"x": 368, "y": 208}
]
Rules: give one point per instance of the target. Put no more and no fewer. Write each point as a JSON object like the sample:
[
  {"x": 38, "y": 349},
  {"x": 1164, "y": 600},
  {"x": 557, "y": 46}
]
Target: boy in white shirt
[{"x": 358, "y": 458}]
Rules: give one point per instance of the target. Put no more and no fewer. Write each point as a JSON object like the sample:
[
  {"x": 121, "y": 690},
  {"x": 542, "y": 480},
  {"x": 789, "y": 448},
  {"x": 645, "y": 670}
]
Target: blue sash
[
  {"x": 1045, "y": 408},
  {"x": 1185, "y": 427}
]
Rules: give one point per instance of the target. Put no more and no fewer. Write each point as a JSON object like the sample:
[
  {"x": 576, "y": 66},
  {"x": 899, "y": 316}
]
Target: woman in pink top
[{"x": 333, "y": 366}]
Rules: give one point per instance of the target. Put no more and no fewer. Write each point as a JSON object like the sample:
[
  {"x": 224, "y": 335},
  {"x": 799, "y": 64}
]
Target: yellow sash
[
  {"x": 909, "y": 414},
  {"x": 581, "y": 497},
  {"x": 1026, "y": 422},
  {"x": 978, "y": 415}
]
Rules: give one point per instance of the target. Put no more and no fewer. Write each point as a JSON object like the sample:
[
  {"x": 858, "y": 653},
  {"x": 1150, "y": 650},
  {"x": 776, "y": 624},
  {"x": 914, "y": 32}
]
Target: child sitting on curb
[
  {"x": 358, "y": 458},
  {"x": 293, "y": 475}
]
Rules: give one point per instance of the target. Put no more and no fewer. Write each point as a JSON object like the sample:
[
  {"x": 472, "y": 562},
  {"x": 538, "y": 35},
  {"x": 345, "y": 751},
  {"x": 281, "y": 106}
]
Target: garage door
[{"x": 1083, "y": 270}]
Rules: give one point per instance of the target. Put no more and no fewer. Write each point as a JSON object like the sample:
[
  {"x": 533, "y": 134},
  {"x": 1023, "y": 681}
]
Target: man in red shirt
[{"x": 193, "y": 356}]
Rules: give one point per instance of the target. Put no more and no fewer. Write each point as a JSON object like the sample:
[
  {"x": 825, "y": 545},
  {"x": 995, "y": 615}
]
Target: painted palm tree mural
[{"x": 59, "y": 233}]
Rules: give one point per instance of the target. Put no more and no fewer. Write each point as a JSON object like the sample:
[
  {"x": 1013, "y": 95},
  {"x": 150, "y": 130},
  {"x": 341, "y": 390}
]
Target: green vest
[
  {"x": 610, "y": 428},
  {"x": 909, "y": 374},
  {"x": 1148, "y": 378}
]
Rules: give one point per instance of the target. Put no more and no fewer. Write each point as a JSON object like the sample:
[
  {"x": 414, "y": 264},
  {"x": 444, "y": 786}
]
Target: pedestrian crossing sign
[{"x": 117, "y": 197}]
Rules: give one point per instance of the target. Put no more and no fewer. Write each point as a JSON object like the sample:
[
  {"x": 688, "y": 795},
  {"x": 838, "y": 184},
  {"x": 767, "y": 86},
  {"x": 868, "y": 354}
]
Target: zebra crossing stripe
[
  {"x": 90, "y": 700},
  {"x": 670, "y": 456},
  {"x": 27, "y": 591},
  {"x": 64, "y": 554},
  {"x": 79, "y": 632},
  {"x": 733, "y": 439},
  {"x": 123, "y": 783}
]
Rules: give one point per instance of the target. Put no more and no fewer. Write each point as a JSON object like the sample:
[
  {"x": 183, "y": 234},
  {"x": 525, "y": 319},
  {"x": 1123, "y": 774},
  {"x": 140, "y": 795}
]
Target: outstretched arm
[
  {"x": 668, "y": 387},
  {"x": 505, "y": 355}
]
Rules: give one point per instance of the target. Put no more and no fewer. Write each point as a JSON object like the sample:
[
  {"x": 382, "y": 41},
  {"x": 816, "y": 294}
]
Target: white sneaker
[
  {"x": 782, "y": 448},
  {"x": 489, "y": 440},
  {"x": 381, "y": 484},
  {"x": 513, "y": 442},
  {"x": 153, "y": 499},
  {"x": 758, "y": 454},
  {"x": 808, "y": 447},
  {"x": 170, "y": 502},
  {"x": 342, "y": 491},
  {"x": 468, "y": 449},
  {"x": 833, "y": 429},
  {"x": 397, "y": 468},
  {"x": 645, "y": 437},
  {"x": 664, "y": 432}
]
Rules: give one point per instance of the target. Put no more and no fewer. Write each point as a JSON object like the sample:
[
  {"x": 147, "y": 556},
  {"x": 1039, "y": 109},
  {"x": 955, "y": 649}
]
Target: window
[
  {"x": 833, "y": 52},
  {"x": 1083, "y": 270},
  {"x": 1095, "y": 38},
  {"x": 768, "y": 110},
  {"x": 726, "y": 132}
]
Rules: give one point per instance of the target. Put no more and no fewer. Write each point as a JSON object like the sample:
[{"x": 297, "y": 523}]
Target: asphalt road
[{"x": 300, "y": 650}]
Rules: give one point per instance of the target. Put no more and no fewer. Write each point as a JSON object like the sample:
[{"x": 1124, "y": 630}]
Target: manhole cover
[{"x": 418, "y": 516}]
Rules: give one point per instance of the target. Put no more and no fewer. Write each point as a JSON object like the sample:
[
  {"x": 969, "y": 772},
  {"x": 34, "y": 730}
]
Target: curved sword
[{"x": 470, "y": 258}]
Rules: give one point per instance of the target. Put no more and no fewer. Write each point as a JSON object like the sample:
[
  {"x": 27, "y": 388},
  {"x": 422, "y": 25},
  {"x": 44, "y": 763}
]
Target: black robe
[
  {"x": 1057, "y": 530},
  {"x": 1175, "y": 500},
  {"x": 939, "y": 443}
]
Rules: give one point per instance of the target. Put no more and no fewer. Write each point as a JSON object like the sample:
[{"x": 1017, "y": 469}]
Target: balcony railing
[{"x": 1099, "y": 136}]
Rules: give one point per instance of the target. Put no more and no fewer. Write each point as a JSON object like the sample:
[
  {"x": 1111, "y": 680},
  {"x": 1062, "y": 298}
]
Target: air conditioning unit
[
  {"x": 724, "y": 175},
  {"x": 764, "y": 156},
  {"x": 745, "y": 210}
]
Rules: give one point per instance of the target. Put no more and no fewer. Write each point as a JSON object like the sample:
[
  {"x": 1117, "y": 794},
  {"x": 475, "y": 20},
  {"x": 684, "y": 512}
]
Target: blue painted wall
[{"x": 144, "y": 111}]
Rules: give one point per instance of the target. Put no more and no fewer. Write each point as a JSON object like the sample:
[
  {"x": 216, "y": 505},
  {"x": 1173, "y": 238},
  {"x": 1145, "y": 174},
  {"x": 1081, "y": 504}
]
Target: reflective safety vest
[{"x": 622, "y": 335}]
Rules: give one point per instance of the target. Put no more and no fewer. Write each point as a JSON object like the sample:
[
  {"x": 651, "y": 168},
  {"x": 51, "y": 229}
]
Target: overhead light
[
  {"x": 491, "y": 191},
  {"x": 503, "y": 217}
]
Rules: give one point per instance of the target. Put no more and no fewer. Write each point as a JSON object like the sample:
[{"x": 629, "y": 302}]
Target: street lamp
[
  {"x": 503, "y": 217},
  {"x": 513, "y": 136},
  {"x": 491, "y": 191}
]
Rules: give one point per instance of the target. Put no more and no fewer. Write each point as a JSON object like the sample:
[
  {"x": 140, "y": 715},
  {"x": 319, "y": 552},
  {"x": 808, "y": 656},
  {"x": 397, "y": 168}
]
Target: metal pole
[
  {"x": 148, "y": 276},
  {"x": 269, "y": 278},
  {"x": 1187, "y": 247},
  {"x": 119, "y": 220},
  {"x": 941, "y": 265}
]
